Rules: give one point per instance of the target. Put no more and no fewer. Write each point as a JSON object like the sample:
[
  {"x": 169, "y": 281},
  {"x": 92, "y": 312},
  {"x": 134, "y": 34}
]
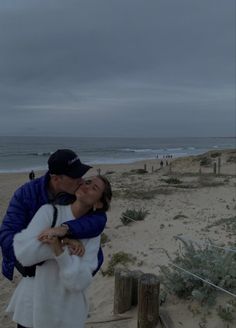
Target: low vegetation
[
  {"x": 120, "y": 259},
  {"x": 210, "y": 181},
  {"x": 134, "y": 171},
  {"x": 180, "y": 216},
  {"x": 205, "y": 161},
  {"x": 232, "y": 159},
  {"x": 215, "y": 154},
  {"x": 226, "y": 312},
  {"x": 228, "y": 223},
  {"x": 131, "y": 215},
  {"x": 173, "y": 181},
  {"x": 139, "y": 171},
  {"x": 104, "y": 239},
  {"x": 212, "y": 264}
]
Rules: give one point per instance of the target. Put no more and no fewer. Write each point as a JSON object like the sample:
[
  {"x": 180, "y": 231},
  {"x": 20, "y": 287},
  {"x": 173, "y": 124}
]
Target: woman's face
[{"x": 90, "y": 192}]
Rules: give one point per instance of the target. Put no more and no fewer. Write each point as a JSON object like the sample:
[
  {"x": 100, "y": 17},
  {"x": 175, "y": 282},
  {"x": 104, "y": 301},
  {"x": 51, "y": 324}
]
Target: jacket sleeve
[
  {"x": 88, "y": 226},
  {"x": 15, "y": 220},
  {"x": 76, "y": 272},
  {"x": 28, "y": 249}
]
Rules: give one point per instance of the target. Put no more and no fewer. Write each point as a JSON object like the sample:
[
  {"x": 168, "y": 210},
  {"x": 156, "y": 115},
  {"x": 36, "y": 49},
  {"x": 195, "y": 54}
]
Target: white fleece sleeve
[
  {"x": 28, "y": 249},
  {"x": 75, "y": 271}
]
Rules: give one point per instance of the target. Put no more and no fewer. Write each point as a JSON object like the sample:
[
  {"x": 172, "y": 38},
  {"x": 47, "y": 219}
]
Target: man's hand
[
  {"x": 75, "y": 246},
  {"x": 60, "y": 231}
]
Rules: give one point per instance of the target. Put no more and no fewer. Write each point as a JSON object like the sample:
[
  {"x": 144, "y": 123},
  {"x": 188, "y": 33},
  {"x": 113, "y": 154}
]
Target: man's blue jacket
[{"x": 22, "y": 207}]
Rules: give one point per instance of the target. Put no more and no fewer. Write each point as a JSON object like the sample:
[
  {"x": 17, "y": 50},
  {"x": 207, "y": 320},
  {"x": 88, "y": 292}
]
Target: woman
[{"x": 55, "y": 297}]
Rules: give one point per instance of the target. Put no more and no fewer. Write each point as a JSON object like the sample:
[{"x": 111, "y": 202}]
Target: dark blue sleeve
[
  {"x": 14, "y": 221},
  {"x": 87, "y": 226}
]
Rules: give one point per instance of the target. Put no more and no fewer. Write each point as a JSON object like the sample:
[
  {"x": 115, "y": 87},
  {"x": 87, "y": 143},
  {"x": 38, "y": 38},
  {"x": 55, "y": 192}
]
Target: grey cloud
[{"x": 76, "y": 59}]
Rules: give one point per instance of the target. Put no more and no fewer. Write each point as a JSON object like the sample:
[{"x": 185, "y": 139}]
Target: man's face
[{"x": 68, "y": 185}]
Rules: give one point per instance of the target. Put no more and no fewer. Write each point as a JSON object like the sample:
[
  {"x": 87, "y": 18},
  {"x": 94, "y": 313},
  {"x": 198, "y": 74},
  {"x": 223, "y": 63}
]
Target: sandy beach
[{"x": 201, "y": 200}]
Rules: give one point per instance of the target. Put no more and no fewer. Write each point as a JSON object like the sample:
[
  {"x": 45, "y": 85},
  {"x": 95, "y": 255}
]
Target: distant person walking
[{"x": 31, "y": 175}]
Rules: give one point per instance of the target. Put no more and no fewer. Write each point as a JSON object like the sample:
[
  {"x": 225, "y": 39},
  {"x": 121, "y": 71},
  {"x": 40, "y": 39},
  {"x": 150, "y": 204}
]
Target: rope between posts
[
  {"x": 233, "y": 250},
  {"x": 204, "y": 280}
]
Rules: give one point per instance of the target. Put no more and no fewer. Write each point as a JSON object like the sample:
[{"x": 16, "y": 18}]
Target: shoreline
[{"x": 148, "y": 161}]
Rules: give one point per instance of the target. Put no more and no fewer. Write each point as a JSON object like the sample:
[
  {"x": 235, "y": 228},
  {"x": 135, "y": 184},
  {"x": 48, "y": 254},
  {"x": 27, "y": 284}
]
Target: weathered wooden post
[
  {"x": 219, "y": 165},
  {"x": 99, "y": 171},
  {"x": 123, "y": 291},
  {"x": 136, "y": 275},
  {"x": 148, "y": 301},
  {"x": 145, "y": 167},
  {"x": 214, "y": 167}
]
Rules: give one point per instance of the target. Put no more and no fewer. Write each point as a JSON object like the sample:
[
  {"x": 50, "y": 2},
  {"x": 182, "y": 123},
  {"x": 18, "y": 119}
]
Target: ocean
[{"x": 22, "y": 154}]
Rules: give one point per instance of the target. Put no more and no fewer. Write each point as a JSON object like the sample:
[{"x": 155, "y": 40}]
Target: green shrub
[
  {"x": 215, "y": 154},
  {"x": 205, "y": 161},
  {"x": 209, "y": 181},
  {"x": 133, "y": 215},
  {"x": 209, "y": 263},
  {"x": 139, "y": 171},
  {"x": 121, "y": 259},
  {"x": 231, "y": 159},
  {"x": 104, "y": 239},
  {"x": 228, "y": 223},
  {"x": 173, "y": 181},
  {"x": 226, "y": 313}
]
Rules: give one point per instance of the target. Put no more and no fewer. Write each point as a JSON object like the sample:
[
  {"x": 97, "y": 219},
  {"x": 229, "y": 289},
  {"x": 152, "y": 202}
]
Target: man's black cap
[{"x": 67, "y": 162}]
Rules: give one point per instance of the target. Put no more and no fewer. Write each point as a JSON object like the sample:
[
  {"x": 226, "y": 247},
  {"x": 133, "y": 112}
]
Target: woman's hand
[
  {"x": 60, "y": 231},
  {"x": 75, "y": 246},
  {"x": 54, "y": 242}
]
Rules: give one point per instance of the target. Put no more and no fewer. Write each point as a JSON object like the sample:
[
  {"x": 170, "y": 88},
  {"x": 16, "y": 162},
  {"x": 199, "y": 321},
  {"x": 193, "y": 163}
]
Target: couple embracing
[{"x": 51, "y": 234}]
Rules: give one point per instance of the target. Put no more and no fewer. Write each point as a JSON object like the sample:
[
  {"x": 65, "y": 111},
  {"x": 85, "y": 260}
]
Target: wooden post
[
  {"x": 145, "y": 167},
  {"x": 148, "y": 301},
  {"x": 136, "y": 275},
  {"x": 123, "y": 291},
  {"x": 219, "y": 165},
  {"x": 214, "y": 167},
  {"x": 99, "y": 171}
]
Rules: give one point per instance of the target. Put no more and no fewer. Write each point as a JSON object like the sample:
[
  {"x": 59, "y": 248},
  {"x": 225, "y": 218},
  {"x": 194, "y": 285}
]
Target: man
[{"x": 58, "y": 185}]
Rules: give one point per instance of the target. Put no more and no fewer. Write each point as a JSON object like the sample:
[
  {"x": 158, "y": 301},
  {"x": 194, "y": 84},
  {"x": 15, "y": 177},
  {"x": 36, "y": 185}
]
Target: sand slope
[{"x": 200, "y": 201}]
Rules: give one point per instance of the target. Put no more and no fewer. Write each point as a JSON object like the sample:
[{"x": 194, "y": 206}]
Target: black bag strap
[{"x": 55, "y": 213}]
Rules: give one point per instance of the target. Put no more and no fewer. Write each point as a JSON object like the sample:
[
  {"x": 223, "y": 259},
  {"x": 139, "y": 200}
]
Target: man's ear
[{"x": 54, "y": 177}]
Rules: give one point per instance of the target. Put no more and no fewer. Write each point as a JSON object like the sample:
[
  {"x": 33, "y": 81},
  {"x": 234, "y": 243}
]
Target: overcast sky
[{"x": 117, "y": 67}]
